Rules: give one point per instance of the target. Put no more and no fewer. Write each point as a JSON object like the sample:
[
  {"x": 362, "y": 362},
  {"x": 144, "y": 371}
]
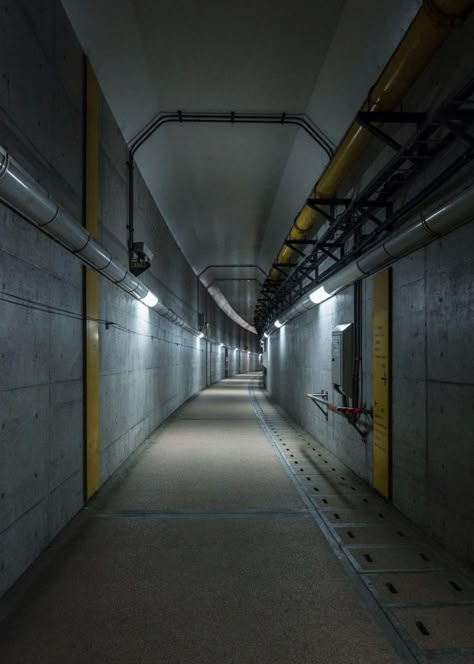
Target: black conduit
[{"x": 297, "y": 119}]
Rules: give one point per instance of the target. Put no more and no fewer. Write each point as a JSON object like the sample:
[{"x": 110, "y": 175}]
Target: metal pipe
[
  {"x": 430, "y": 27},
  {"x": 222, "y": 302},
  {"x": 424, "y": 227},
  {"x": 20, "y": 191}
]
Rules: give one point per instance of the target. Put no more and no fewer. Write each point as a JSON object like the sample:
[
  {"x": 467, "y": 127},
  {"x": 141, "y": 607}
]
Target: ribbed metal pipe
[
  {"x": 421, "y": 229},
  {"x": 221, "y": 301},
  {"x": 20, "y": 191}
]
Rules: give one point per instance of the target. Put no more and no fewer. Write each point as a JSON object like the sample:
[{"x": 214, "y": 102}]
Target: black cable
[{"x": 46, "y": 308}]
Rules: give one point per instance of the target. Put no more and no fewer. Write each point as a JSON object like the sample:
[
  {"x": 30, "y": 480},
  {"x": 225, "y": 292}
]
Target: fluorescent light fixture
[
  {"x": 278, "y": 324},
  {"x": 319, "y": 295},
  {"x": 150, "y": 299},
  {"x": 201, "y": 335}
]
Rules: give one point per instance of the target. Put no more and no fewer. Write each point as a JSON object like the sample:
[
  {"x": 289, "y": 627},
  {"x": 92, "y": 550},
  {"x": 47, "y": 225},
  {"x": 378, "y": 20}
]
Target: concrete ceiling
[{"x": 229, "y": 192}]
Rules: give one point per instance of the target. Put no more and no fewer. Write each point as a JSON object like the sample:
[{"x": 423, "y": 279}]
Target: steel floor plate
[
  {"x": 430, "y": 588},
  {"x": 420, "y": 589}
]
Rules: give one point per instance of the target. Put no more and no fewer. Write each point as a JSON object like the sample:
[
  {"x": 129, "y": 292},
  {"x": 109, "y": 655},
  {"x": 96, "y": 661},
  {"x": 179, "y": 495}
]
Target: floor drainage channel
[{"x": 422, "y": 601}]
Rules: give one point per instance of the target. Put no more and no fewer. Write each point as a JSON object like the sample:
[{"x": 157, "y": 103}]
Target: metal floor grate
[{"x": 425, "y": 596}]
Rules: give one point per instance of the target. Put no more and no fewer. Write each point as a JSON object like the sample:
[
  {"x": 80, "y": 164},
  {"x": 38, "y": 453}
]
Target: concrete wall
[
  {"x": 148, "y": 367},
  {"x": 300, "y": 362},
  {"x": 432, "y": 385},
  {"x": 41, "y": 474},
  {"x": 433, "y": 389}
]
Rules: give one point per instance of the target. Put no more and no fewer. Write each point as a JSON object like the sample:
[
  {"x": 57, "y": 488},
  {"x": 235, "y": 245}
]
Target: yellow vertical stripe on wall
[
  {"x": 91, "y": 285},
  {"x": 381, "y": 382}
]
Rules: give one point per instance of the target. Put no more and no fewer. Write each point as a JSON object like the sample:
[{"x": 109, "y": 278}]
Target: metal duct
[
  {"x": 220, "y": 299},
  {"x": 453, "y": 212},
  {"x": 20, "y": 191},
  {"x": 430, "y": 27}
]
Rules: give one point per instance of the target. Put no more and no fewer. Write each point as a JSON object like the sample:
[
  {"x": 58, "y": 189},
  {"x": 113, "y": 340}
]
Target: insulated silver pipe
[
  {"x": 454, "y": 211},
  {"x": 221, "y": 301},
  {"x": 20, "y": 191}
]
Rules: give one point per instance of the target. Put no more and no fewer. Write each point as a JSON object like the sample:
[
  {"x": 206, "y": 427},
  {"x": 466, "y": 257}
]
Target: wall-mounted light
[
  {"x": 235, "y": 350},
  {"x": 150, "y": 299},
  {"x": 221, "y": 345},
  {"x": 278, "y": 324},
  {"x": 319, "y": 295},
  {"x": 201, "y": 335},
  {"x": 266, "y": 335}
]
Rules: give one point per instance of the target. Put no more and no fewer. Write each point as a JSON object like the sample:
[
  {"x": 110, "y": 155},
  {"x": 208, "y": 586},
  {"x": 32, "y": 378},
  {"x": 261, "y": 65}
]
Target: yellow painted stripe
[
  {"x": 91, "y": 285},
  {"x": 381, "y": 383}
]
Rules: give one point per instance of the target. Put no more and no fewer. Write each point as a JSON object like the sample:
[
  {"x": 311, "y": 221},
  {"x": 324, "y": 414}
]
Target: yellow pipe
[{"x": 428, "y": 30}]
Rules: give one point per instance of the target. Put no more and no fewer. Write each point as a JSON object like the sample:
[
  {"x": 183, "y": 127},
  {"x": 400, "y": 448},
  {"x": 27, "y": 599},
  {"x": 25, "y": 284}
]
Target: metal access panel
[{"x": 343, "y": 357}]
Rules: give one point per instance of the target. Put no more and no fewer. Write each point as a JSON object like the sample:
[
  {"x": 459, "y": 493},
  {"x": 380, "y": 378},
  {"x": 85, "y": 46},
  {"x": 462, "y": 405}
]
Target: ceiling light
[
  {"x": 319, "y": 295},
  {"x": 150, "y": 299},
  {"x": 221, "y": 345},
  {"x": 266, "y": 335},
  {"x": 201, "y": 335},
  {"x": 278, "y": 324}
]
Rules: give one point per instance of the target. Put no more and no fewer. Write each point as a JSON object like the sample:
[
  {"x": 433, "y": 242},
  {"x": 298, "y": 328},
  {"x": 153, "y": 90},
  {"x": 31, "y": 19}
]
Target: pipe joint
[{"x": 449, "y": 19}]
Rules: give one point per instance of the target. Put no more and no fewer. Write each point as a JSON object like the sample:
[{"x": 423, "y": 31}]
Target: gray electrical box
[{"x": 342, "y": 358}]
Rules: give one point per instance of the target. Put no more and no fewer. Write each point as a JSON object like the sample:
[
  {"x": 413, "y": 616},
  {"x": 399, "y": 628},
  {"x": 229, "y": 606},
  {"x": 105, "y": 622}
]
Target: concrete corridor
[{"x": 199, "y": 549}]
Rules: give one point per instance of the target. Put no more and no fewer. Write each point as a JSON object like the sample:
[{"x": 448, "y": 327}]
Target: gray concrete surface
[
  {"x": 200, "y": 550},
  {"x": 41, "y": 474}
]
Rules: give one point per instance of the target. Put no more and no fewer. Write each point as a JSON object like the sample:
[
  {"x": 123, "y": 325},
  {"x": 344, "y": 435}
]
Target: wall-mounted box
[{"x": 343, "y": 357}]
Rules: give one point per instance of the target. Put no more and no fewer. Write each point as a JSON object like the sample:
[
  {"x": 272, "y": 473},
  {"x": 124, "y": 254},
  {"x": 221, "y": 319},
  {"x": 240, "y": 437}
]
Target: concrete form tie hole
[
  {"x": 392, "y": 588},
  {"x": 325, "y": 501},
  {"x": 422, "y": 628},
  {"x": 350, "y": 533},
  {"x": 353, "y": 488},
  {"x": 301, "y": 470},
  {"x": 366, "y": 500},
  {"x": 455, "y": 586},
  {"x": 424, "y": 556},
  {"x": 292, "y": 455},
  {"x": 368, "y": 558},
  {"x": 309, "y": 479},
  {"x": 336, "y": 515},
  {"x": 381, "y": 515},
  {"x": 315, "y": 488},
  {"x": 401, "y": 533}
]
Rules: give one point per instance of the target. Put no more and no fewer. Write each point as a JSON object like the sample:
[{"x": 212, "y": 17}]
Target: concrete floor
[{"x": 199, "y": 550}]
